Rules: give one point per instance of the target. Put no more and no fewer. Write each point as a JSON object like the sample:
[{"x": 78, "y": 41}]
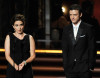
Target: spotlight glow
[{"x": 63, "y": 9}]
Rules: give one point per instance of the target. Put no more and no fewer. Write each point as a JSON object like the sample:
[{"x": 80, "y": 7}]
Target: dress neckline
[{"x": 18, "y": 38}]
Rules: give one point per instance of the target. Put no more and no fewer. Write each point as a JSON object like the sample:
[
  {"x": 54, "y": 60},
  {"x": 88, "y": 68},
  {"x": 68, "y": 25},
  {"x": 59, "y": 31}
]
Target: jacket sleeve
[
  {"x": 91, "y": 48},
  {"x": 64, "y": 48}
]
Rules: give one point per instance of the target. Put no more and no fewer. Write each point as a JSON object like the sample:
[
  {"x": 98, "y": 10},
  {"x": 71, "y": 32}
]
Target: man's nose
[{"x": 72, "y": 16}]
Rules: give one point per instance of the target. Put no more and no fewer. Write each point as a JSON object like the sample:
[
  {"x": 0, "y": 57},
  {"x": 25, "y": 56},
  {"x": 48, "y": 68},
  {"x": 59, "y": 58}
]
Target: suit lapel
[
  {"x": 71, "y": 34},
  {"x": 79, "y": 34},
  {"x": 80, "y": 30}
]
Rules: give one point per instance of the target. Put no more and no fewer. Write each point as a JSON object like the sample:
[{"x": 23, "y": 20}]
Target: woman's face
[{"x": 18, "y": 27}]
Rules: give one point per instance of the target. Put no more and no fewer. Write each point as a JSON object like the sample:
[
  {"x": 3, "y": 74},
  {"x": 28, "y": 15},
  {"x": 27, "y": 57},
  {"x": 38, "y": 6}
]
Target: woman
[{"x": 19, "y": 50}]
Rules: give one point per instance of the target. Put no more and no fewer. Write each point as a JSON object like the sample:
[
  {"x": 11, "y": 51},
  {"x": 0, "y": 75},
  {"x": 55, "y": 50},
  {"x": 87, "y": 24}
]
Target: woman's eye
[
  {"x": 16, "y": 25},
  {"x": 21, "y": 24}
]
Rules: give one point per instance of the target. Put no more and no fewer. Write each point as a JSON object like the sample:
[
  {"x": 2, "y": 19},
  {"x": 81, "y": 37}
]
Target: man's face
[{"x": 75, "y": 16}]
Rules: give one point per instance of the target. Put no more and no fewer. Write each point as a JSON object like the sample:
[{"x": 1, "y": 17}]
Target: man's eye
[
  {"x": 21, "y": 24},
  {"x": 75, "y": 15}
]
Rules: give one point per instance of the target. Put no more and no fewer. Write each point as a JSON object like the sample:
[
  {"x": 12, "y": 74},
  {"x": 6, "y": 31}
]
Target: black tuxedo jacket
[{"x": 79, "y": 54}]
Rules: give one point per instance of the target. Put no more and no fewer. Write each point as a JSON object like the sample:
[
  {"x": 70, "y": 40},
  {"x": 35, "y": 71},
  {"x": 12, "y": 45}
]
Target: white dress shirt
[{"x": 75, "y": 29}]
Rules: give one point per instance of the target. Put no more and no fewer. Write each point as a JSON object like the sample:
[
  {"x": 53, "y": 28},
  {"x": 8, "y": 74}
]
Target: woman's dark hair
[
  {"x": 17, "y": 17},
  {"x": 76, "y": 7}
]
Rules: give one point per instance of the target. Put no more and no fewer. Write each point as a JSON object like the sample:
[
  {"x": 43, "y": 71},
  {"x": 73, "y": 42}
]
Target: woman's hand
[
  {"x": 16, "y": 67},
  {"x": 21, "y": 66}
]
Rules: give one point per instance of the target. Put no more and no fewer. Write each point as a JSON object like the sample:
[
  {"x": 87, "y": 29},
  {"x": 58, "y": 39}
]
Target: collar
[{"x": 77, "y": 24}]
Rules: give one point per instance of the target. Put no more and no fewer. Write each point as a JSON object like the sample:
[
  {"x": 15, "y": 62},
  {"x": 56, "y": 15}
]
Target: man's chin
[{"x": 74, "y": 22}]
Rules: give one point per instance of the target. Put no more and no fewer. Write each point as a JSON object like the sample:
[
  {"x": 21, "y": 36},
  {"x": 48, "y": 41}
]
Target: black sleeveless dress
[{"x": 19, "y": 51}]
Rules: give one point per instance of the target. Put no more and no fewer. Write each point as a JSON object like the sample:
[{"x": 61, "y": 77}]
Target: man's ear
[{"x": 81, "y": 15}]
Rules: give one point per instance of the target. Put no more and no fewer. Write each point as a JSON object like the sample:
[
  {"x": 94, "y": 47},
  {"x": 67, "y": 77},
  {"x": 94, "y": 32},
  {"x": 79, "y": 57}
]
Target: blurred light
[
  {"x": 46, "y": 51},
  {"x": 98, "y": 52},
  {"x": 41, "y": 51},
  {"x": 2, "y": 50},
  {"x": 63, "y": 9}
]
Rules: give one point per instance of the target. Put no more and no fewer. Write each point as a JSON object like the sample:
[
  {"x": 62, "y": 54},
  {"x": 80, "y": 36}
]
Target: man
[{"x": 78, "y": 45}]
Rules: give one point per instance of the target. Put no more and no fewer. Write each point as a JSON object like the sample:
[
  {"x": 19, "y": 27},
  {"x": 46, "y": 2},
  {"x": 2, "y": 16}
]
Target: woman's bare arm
[{"x": 7, "y": 52}]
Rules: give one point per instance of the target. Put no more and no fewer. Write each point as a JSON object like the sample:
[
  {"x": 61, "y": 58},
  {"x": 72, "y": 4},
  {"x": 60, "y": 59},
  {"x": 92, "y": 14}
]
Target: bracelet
[{"x": 25, "y": 62}]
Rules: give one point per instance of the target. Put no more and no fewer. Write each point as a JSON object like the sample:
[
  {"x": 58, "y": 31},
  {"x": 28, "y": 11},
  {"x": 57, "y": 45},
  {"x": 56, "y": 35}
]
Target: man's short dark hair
[{"x": 76, "y": 7}]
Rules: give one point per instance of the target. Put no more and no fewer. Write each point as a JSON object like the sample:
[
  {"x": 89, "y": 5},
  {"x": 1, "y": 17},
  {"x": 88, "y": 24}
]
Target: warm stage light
[
  {"x": 98, "y": 52},
  {"x": 2, "y": 50},
  {"x": 41, "y": 51},
  {"x": 46, "y": 51},
  {"x": 63, "y": 9}
]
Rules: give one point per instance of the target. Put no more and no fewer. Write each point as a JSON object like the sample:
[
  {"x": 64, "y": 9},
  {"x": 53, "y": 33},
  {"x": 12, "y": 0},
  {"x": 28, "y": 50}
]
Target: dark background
[{"x": 34, "y": 10}]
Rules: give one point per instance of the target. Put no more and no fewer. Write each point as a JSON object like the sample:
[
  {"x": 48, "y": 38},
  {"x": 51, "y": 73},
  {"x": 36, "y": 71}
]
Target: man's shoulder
[{"x": 87, "y": 25}]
